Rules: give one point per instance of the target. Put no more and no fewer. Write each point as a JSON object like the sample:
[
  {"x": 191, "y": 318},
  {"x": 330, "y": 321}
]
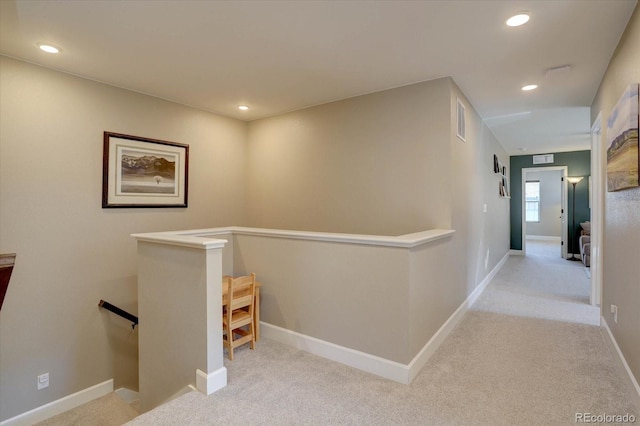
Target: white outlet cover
[{"x": 43, "y": 381}]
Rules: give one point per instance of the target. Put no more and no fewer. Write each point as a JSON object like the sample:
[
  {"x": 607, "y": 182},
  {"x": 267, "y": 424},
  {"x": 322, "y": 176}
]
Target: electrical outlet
[
  {"x": 614, "y": 311},
  {"x": 43, "y": 381}
]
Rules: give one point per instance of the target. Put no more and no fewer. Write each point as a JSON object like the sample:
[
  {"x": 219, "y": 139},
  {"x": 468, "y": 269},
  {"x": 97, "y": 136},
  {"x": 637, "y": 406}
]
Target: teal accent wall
[{"x": 578, "y": 164}]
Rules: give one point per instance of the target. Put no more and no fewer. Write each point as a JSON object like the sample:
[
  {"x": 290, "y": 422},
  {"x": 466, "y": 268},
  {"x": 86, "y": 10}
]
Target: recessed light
[
  {"x": 529, "y": 87},
  {"x": 49, "y": 48},
  {"x": 517, "y": 20},
  {"x": 243, "y": 107}
]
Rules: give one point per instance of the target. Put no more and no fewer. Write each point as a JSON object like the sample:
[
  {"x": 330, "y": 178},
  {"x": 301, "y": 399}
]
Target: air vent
[
  {"x": 543, "y": 159},
  {"x": 556, "y": 70}
]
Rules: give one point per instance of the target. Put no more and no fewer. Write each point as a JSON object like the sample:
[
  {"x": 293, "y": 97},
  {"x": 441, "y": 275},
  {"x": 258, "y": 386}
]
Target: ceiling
[{"x": 280, "y": 56}]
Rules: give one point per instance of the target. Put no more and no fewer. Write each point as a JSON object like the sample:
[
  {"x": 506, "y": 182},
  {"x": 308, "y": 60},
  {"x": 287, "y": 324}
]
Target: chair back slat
[
  {"x": 242, "y": 291},
  {"x": 240, "y": 302}
]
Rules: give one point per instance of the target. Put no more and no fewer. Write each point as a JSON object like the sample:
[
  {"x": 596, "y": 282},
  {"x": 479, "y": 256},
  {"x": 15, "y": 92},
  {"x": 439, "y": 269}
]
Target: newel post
[{"x": 180, "y": 314}]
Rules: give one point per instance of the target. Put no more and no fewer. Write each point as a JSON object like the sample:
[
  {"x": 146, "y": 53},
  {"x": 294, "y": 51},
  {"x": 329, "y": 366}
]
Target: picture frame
[
  {"x": 143, "y": 172},
  {"x": 623, "y": 159}
]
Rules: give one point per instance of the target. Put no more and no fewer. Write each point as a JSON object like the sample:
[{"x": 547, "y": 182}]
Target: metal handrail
[{"x": 124, "y": 314}]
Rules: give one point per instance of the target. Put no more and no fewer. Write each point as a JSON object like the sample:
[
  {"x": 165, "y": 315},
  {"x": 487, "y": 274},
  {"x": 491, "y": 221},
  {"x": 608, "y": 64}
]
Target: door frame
[
  {"x": 597, "y": 196},
  {"x": 563, "y": 197}
]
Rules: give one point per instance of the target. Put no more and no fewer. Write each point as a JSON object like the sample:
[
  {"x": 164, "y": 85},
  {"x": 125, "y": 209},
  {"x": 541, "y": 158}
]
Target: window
[{"x": 532, "y": 201}]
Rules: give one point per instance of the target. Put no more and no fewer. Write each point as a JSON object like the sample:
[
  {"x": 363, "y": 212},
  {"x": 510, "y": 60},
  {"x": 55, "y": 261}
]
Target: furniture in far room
[
  {"x": 238, "y": 318},
  {"x": 585, "y": 243},
  {"x": 256, "y": 303},
  {"x": 585, "y": 249}
]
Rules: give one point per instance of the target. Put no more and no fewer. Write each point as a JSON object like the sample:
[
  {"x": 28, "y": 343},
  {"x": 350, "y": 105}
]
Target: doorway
[
  {"x": 596, "y": 197},
  {"x": 544, "y": 210}
]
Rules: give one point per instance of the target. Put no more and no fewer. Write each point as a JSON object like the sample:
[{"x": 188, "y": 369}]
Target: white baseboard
[
  {"x": 436, "y": 340},
  {"x": 373, "y": 364},
  {"x": 623, "y": 361},
  {"x": 515, "y": 252},
  {"x": 209, "y": 383},
  {"x": 361, "y": 360},
  {"x": 61, "y": 405},
  {"x": 544, "y": 238},
  {"x": 128, "y": 395}
]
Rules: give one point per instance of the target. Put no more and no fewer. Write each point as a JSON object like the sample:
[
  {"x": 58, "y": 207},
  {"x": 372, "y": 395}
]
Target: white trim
[
  {"x": 61, "y": 405},
  {"x": 596, "y": 199},
  {"x": 461, "y": 121},
  {"x": 612, "y": 339},
  {"x": 373, "y": 364},
  {"x": 443, "y": 332},
  {"x": 564, "y": 191},
  {"x": 544, "y": 238},
  {"x": 361, "y": 360},
  {"x": 128, "y": 395},
  {"x": 515, "y": 252},
  {"x": 209, "y": 383},
  {"x": 177, "y": 239},
  {"x": 205, "y": 238}
]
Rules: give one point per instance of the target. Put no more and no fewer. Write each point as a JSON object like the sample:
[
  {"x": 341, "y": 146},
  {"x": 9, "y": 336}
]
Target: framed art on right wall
[{"x": 622, "y": 138}]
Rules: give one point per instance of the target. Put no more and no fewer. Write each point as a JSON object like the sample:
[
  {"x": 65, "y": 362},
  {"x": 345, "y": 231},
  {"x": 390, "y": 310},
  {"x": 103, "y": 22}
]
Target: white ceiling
[{"x": 279, "y": 56}]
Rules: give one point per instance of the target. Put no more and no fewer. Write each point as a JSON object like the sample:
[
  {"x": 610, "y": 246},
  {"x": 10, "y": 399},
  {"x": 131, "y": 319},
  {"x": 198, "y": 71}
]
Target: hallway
[
  {"x": 542, "y": 285},
  {"x": 528, "y": 352}
]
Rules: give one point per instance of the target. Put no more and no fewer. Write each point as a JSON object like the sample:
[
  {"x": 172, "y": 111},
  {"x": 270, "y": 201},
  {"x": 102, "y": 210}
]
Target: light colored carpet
[
  {"x": 109, "y": 410},
  {"x": 529, "y": 352},
  {"x": 541, "y": 285}
]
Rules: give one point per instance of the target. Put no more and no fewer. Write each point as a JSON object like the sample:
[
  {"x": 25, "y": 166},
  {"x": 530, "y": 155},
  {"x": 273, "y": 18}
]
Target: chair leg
[
  {"x": 230, "y": 340},
  {"x": 253, "y": 335},
  {"x": 228, "y": 343}
]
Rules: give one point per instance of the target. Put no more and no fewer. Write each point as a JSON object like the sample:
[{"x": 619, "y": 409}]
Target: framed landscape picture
[
  {"x": 142, "y": 172},
  {"x": 622, "y": 138}
]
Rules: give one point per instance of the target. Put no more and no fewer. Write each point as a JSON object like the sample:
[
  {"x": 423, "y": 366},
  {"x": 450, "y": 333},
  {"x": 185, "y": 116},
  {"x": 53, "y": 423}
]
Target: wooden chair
[{"x": 238, "y": 319}]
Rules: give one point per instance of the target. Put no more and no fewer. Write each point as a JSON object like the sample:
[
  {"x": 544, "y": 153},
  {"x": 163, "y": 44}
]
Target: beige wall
[
  {"x": 481, "y": 239},
  {"x": 374, "y": 164},
  {"x": 385, "y": 163},
  {"x": 179, "y": 327},
  {"x": 621, "y": 268},
  {"x": 71, "y": 252},
  {"x": 434, "y": 294},
  {"x": 348, "y": 294}
]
